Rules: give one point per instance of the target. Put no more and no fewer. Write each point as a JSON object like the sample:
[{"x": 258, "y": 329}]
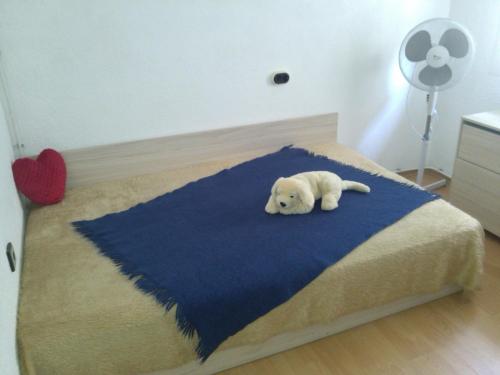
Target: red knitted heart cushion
[{"x": 42, "y": 180}]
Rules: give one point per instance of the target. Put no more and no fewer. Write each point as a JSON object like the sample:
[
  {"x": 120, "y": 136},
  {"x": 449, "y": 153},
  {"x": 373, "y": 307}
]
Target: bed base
[{"x": 237, "y": 356}]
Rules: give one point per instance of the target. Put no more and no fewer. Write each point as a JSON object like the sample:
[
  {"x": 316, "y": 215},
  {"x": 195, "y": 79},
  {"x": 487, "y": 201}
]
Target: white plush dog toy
[{"x": 297, "y": 194}]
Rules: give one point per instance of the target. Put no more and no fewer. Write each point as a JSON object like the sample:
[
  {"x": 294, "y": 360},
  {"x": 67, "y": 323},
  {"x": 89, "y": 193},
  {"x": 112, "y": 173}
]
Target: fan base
[{"x": 435, "y": 185}]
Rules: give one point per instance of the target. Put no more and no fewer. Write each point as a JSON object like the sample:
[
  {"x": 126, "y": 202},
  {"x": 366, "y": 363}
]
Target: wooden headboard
[{"x": 87, "y": 166}]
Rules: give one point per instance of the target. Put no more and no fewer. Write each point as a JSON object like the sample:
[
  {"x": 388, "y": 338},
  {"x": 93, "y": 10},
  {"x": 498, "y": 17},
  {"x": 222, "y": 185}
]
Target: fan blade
[
  {"x": 417, "y": 46},
  {"x": 435, "y": 76},
  {"x": 455, "y": 42}
]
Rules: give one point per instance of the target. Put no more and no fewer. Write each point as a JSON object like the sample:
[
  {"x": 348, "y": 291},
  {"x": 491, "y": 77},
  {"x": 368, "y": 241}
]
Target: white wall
[
  {"x": 11, "y": 228},
  {"x": 89, "y": 72},
  {"x": 480, "y": 90}
]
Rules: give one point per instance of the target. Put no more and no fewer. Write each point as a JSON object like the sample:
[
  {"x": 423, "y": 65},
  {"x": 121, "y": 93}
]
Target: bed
[{"x": 79, "y": 315}]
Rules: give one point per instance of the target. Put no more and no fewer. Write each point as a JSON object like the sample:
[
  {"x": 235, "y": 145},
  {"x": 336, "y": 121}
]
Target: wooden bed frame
[
  {"x": 87, "y": 166},
  {"x": 102, "y": 163},
  {"x": 226, "y": 359}
]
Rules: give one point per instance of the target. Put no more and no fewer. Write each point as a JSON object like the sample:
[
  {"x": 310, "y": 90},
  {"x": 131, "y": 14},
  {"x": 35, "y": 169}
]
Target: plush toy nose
[{"x": 282, "y": 204}]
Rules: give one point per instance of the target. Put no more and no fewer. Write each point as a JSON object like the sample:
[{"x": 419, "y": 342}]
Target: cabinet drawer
[
  {"x": 477, "y": 191},
  {"x": 480, "y": 147}
]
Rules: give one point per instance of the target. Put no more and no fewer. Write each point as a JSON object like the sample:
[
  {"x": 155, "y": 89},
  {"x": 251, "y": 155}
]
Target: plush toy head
[{"x": 290, "y": 196}]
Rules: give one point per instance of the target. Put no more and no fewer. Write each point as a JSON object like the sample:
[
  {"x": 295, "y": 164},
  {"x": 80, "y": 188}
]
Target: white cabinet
[{"x": 475, "y": 184}]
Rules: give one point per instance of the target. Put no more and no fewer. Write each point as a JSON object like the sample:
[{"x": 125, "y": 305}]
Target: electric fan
[{"x": 434, "y": 56}]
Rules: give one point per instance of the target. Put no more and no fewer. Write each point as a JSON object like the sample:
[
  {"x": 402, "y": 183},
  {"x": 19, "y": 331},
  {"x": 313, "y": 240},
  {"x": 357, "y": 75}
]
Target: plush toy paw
[{"x": 329, "y": 202}]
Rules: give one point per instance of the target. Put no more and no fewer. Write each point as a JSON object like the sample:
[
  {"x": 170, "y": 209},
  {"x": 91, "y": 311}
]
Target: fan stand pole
[{"x": 426, "y": 138}]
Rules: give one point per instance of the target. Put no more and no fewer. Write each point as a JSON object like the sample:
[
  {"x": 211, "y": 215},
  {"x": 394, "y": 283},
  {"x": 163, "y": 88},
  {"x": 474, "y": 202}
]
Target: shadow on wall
[{"x": 380, "y": 132}]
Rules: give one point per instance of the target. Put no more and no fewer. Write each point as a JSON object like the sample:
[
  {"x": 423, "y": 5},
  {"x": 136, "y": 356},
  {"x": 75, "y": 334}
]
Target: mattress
[{"x": 79, "y": 315}]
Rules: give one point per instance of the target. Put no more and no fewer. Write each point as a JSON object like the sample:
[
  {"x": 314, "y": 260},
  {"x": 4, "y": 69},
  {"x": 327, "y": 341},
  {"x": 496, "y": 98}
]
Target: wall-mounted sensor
[
  {"x": 11, "y": 256},
  {"x": 281, "y": 78}
]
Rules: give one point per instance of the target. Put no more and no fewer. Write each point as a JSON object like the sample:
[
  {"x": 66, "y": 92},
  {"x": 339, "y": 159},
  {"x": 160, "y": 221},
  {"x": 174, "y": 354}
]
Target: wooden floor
[{"x": 453, "y": 335}]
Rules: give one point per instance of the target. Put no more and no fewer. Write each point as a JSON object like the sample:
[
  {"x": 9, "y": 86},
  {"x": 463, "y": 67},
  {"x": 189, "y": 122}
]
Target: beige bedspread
[{"x": 79, "y": 315}]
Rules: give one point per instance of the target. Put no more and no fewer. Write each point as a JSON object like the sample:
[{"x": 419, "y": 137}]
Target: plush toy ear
[
  {"x": 275, "y": 186},
  {"x": 306, "y": 196},
  {"x": 271, "y": 206}
]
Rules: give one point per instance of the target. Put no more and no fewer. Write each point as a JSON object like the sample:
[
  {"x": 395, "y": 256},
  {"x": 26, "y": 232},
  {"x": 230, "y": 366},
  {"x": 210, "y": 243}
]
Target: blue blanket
[{"x": 210, "y": 248}]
